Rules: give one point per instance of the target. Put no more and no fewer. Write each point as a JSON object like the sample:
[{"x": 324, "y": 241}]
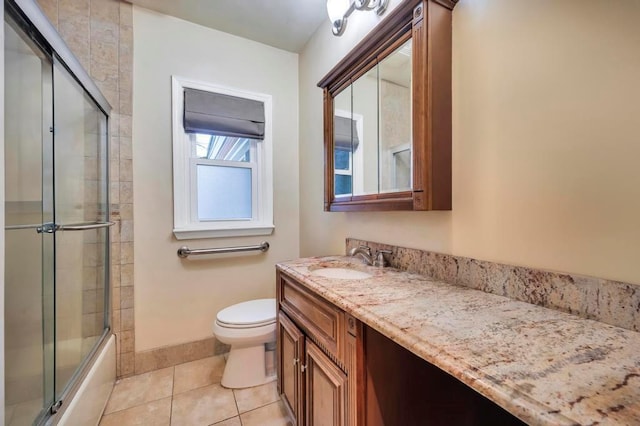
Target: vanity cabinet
[
  {"x": 318, "y": 349},
  {"x": 335, "y": 370}
]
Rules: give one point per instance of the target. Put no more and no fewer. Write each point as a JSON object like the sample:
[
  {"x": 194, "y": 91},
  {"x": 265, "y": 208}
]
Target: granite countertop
[{"x": 544, "y": 366}]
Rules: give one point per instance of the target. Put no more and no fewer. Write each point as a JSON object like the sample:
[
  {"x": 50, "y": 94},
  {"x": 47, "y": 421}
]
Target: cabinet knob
[
  {"x": 302, "y": 368},
  {"x": 295, "y": 361}
]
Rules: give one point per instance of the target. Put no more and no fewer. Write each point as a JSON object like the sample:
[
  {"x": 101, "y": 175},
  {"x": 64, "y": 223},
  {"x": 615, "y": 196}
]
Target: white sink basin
[{"x": 340, "y": 273}]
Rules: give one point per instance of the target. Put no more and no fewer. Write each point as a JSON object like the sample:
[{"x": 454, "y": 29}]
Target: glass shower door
[
  {"x": 29, "y": 254},
  {"x": 81, "y": 216}
]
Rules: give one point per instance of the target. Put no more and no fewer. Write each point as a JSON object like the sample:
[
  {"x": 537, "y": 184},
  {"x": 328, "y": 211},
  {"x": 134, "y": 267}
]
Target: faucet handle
[
  {"x": 380, "y": 260},
  {"x": 354, "y": 250}
]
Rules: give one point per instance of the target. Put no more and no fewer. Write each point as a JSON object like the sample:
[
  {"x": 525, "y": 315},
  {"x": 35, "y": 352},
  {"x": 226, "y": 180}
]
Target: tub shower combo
[{"x": 57, "y": 221}]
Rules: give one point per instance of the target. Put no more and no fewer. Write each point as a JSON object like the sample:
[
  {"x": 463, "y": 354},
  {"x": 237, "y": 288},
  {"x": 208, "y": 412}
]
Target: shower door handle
[
  {"x": 84, "y": 226},
  {"x": 50, "y": 228}
]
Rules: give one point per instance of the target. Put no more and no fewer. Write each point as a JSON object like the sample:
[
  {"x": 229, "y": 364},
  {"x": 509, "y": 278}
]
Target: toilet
[{"x": 248, "y": 327}]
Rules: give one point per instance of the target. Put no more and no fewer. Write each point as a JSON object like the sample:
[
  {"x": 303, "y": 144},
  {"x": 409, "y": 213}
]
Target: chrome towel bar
[
  {"x": 50, "y": 227},
  {"x": 185, "y": 251}
]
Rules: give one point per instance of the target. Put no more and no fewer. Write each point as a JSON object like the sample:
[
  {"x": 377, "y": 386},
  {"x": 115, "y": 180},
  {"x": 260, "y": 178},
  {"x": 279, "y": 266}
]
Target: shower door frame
[{"x": 35, "y": 24}]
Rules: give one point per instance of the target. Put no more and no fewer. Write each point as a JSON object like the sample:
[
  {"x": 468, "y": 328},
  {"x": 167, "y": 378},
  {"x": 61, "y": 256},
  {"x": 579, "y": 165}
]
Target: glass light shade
[{"x": 336, "y": 9}]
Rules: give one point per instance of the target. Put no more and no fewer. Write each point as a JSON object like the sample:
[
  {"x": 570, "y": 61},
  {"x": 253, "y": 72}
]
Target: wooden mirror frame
[{"x": 428, "y": 24}]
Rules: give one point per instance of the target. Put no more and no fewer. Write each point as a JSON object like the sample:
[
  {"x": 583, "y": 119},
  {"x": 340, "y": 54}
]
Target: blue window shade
[{"x": 224, "y": 193}]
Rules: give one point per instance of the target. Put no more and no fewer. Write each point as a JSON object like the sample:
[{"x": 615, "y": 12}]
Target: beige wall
[
  {"x": 545, "y": 140},
  {"x": 177, "y": 300}
]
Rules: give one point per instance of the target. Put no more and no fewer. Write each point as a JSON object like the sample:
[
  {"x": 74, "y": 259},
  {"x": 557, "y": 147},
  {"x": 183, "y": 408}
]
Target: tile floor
[{"x": 190, "y": 394}]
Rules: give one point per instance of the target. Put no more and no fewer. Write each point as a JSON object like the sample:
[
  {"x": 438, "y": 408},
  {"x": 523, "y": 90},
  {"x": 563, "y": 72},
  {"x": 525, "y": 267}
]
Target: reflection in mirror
[
  {"x": 345, "y": 139},
  {"x": 365, "y": 114},
  {"x": 395, "y": 120}
]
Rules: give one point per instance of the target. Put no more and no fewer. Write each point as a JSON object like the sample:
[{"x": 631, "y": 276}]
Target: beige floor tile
[
  {"x": 203, "y": 406},
  {"x": 140, "y": 389},
  {"x": 234, "y": 421},
  {"x": 156, "y": 413},
  {"x": 197, "y": 374},
  {"x": 269, "y": 415},
  {"x": 258, "y": 396}
]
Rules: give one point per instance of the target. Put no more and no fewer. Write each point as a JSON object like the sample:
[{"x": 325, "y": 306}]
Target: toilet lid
[{"x": 253, "y": 313}]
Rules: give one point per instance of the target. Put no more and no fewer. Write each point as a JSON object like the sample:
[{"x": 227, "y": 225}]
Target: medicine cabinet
[{"x": 387, "y": 115}]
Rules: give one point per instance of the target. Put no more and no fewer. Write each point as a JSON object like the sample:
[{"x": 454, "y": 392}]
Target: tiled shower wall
[{"x": 100, "y": 33}]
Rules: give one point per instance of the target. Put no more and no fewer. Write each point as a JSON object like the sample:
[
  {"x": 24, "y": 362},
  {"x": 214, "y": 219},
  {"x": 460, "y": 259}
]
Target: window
[
  {"x": 222, "y": 173},
  {"x": 347, "y": 153}
]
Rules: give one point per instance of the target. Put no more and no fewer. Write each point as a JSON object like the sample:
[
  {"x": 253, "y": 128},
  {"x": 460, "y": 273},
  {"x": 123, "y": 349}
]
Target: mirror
[
  {"x": 388, "y": 115},
  {"x": 372, "y": 129}
]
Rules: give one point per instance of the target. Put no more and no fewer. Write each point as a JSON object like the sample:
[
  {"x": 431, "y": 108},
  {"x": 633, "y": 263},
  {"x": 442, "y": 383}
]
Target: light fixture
[{"x": 340, "y": 10}]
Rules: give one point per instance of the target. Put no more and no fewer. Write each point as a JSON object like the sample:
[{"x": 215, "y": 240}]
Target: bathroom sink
[{"x": 341, "y": 273}]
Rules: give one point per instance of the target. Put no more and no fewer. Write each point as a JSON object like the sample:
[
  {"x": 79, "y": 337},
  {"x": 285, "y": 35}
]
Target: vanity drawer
[{"x": 323, "y": 322}]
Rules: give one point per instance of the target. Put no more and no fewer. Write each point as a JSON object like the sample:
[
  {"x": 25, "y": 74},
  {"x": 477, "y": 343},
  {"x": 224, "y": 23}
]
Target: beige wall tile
[
  {"x": 127, "y": 231},
  {"x": 127, "y": 364},
  {"x": 203, "y": 406},
  {"x": 125, "y": 126},
  {"x": 127, "y": 275},
  {"x": 126, "y": 211},
  {"x": 114, "y": 192},
  {"x": 126, "y": 192},
  {"x": 126, "y": 14},
  {"x": 197, "y": 374},
  {"x": 126, "y": 318},
  {"x": 127, "y": 253},
  {"x": 115, "y": 296},
  {"x": 126, "y": 297},
  {"x": 105, "y": 10},
  {"x": 115, "y": 253},
  {"x": 157, "y": 413},
  {"x": 125, "y": 148},
  {"x": 114, "y": 123},
  {"x": 127, "y": 341},
  {"x": 89, "y": 305},
  {"x": 50, "y": 9},
  {"x": 140, "y": 389},
  {"x": 126, "y": 170},
  {"x": 115, "y": 320},
  {"x": 115, "y": 276}
]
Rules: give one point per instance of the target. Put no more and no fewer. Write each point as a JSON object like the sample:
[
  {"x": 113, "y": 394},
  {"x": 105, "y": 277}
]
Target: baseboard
[{"x": 168, "y": 356}]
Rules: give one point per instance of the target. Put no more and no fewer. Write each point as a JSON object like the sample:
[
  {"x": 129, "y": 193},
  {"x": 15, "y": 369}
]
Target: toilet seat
[{"x": 251, "y": 314}]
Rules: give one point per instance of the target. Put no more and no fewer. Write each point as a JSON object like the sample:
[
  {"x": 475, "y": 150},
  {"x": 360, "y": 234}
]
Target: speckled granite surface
[
  {"x": 544, "y": 366},
  {"x": 613, "y": 302}
]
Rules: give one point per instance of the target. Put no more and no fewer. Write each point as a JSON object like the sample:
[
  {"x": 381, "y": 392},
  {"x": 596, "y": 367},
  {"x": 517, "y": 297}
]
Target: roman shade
[
  {"x": 222, "y": 115},
  {"x": 345, "y": 134}
]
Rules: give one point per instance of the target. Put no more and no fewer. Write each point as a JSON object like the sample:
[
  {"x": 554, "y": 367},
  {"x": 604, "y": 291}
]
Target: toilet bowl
[{"x": 248, "y": 327}]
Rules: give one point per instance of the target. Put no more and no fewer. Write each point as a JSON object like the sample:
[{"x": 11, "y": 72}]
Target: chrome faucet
[{"x": 364, "y": 252}]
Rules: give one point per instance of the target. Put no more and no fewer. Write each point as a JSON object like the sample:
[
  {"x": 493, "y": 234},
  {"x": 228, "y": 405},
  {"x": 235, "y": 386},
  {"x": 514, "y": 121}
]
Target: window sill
[{"x": 240, "y": 231}]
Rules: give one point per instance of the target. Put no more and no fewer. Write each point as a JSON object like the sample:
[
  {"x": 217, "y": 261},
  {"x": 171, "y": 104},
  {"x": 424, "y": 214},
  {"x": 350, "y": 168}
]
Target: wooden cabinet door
[
  {"x": 326, "y": 389},
  {"x": 290, "y": 375}
]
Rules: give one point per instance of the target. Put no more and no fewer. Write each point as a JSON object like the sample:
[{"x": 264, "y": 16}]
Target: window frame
[
  {"x": 356, "y": 158},
  {"x": 185, "y": 216}
]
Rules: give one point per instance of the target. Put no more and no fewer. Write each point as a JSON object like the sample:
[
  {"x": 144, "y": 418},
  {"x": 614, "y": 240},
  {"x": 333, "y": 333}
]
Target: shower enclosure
[{"x": 57, "y": 218}]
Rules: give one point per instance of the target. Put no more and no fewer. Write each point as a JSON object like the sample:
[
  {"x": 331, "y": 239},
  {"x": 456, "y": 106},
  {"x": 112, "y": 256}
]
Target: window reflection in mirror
[
  {"x": 394, "y": 87},
  {"x": 372, "y": 129},
  {"x": 345, "y": 139}
]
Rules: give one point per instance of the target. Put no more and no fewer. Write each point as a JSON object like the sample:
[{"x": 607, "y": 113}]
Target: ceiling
[{"x": 285, "y": 24}]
